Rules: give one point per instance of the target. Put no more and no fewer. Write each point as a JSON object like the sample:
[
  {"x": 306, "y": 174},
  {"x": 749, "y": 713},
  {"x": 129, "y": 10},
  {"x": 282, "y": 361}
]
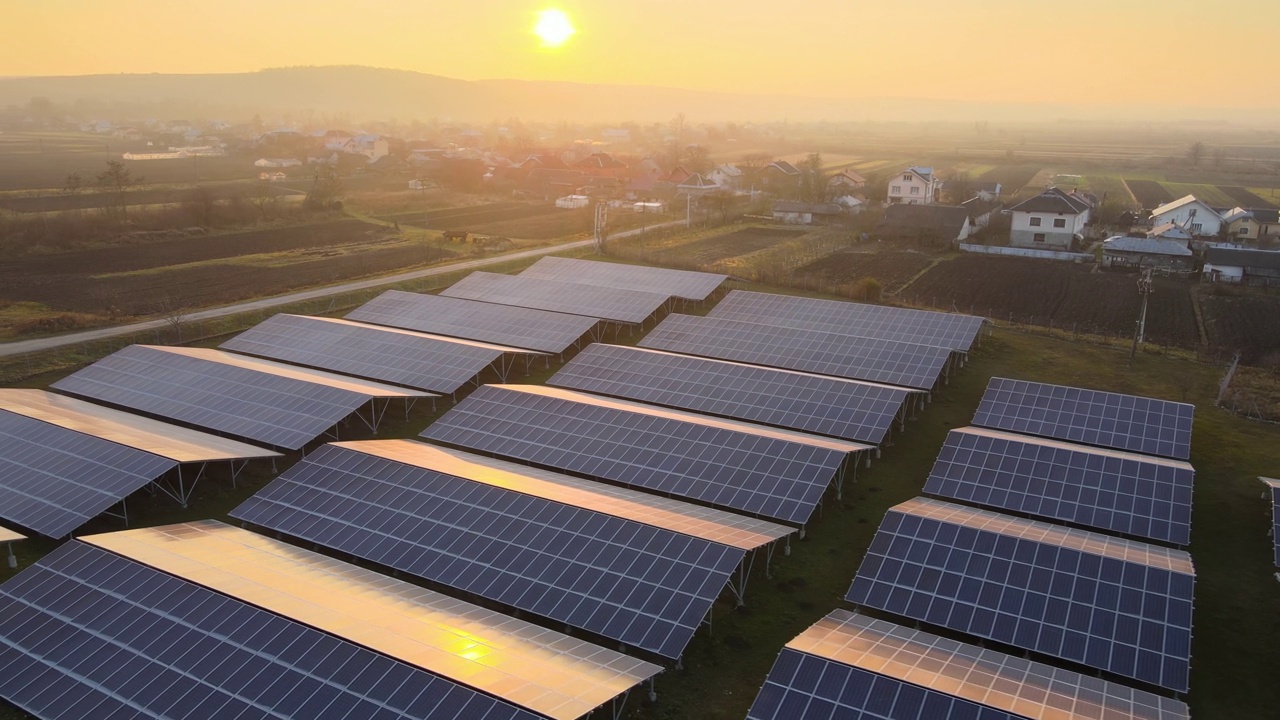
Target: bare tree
[
  {"x": 813, "y": 184},
  {"x": 201, "y": 203},
  {"x": 117, "y": 180},
  {"x": 171, "y": 308},
  {"x": 1195, "y": 153},
  {"x": 73, "y": 184}
]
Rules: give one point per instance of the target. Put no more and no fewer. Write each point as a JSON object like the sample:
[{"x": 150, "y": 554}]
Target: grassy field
[
  {"x": 1208, "y": 193},
  {"x": 1237, "y": 602}
]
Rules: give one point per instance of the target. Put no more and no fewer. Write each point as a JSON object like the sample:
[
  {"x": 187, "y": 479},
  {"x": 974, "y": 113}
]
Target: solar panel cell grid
[
  {"x": 824, "y": 353},
  {"x": 1121, "y": 492},
  {"x": 955, "y": 679},
  {"x": 625, "y": 306},
  {"x": 678, "y": 283},
  {"x": 862, "y": 412},
  {"x": 519, "y": 327},
  {"x": 637, "y": 584},
  {"x": 280, "y": 411},
  {"x": 53, "y": 480},
  {"x": 85, "y": 633},
  {"x": 366, "y": 351},
  {"x": 762, "y": 475},
  {"x": 949, "y": 330},
  {"x": 1107, "y": 603},
  {"x": 1093, "y": 417}
]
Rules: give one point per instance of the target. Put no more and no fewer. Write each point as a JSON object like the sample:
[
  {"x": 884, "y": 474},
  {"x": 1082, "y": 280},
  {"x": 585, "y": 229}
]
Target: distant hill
[{"x": 372, "y": 93}]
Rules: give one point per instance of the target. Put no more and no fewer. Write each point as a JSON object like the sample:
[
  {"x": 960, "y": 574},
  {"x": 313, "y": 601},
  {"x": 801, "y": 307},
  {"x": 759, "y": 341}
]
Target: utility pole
[
  {"x": 688, "y": 210},
  {"x": 1144, "y": 289},
  {"x": 601, "y": 224}
]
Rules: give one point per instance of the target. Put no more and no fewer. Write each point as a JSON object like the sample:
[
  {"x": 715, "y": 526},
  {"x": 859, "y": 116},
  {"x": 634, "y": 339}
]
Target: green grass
[
  {"x": 1237, "y": 617},
  {"x": 1112, "y": 186},
  {"x": 1208, "y": 193}
]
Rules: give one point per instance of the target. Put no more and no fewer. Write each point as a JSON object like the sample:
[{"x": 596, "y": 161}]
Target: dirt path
[{"x": 49, "y": 343}]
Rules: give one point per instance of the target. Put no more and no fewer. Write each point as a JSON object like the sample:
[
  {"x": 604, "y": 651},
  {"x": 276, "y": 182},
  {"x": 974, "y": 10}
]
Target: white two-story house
[
  {"x": 913, "y": 186},
  {"x": 1191, "y": 214},
  {"x": 1051, "y": 220}
]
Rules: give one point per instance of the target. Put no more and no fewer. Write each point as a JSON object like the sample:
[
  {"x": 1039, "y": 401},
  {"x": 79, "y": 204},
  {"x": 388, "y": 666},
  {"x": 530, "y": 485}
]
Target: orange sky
[{"x": 1173, "y": 52}]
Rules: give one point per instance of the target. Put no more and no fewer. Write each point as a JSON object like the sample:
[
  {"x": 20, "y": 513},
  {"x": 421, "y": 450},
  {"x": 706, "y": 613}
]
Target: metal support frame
[
  {"x": 181, "y": 493},
  {"x": 13, "y": 559}
]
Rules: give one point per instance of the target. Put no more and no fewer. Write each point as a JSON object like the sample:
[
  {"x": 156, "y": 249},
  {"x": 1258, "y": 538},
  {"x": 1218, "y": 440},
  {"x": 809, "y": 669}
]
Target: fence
[{"x": 1026, "y": 252}]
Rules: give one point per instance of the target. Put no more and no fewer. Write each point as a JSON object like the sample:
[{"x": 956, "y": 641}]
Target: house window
[
  {"x": 1243, "y": 231},
  {"x": 1035, "y": 222},
  {"x": 906, "y": 178},
  {"x": 896, "y": 189},
  {"x": 1195, "y": 228},
  {"x": 915, "y": 191},
  {"x": 1059, "y": 222},
  {"x": 1038, "y": 237}
]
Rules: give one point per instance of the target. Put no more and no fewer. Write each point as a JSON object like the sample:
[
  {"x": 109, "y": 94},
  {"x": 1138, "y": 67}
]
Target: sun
[{"x": 553, "y": 27}]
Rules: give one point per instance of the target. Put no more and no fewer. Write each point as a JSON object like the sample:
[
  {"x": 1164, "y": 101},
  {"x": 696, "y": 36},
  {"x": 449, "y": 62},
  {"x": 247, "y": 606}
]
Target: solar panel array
[
  {"x": 1121, "y": 492},
  {"x": 1112, "y": 604},
  {"x": 1093, "y": 417},
  {"x": 753, "y": 472},
  {"x": 395, "y": 356},
  {"x": 685, "y": 284},
  {"x": 606, "y": 303},
  {"x": 170, "y": 441},
  {"x": 201, "y": 389},
  {"x": 852, "y": 666},
  {"x": 848, "y": 409},
  {"x": 53, "y": 480},
  {"x": 1273, "y": 487},
  {"x": 949, "y": 330},
  {"x": 718, "y": 526},
  {"x": 529, "y": 666},
  {"x": 85, "y": 633},
  {"x": 638, "y": 584},
  {"x": 519, "y": 327},
  {"x": 825, "y": 353}
]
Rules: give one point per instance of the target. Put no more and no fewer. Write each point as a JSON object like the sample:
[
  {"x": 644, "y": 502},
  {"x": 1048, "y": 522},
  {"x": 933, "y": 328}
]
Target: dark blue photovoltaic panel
[
  {"x": 758, "y": 474},
  {"x": 841, "y": 408},
  {"x": 279, "y": 411},
  {"x": 634, "y": 583},
  {"x": 686, "y": 284},
  {"x": 926, "y": 327},
  {"x": 1113, "y": 604},
  {"x": 85, "y": 633},
  {"x": 846, "y": 356},
  {"x": 366, "y": 351},
  {"x": 626, "y": 306},
  {"x": 1121, "y": 492},
  {"x": 53, "y": 480},
  {"x": 806, "y": 686},
  {"x": 1092, "y": 417},
  {"x": 475, "y": 320}
]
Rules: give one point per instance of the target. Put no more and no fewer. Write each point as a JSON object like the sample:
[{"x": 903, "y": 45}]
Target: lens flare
[{"x": 553, "y": 27}]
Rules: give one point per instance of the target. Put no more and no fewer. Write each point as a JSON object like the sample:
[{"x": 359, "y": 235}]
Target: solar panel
[
  {"x": 624, "y": 306},
  {"x": 1093, "y": 417},
  {"x": 88, "y": 634},
  {"x": 685, "y": 284},
  {"x": 851, "y": 665},
  {"x": 1122, "y": 492},
  {"x": 527, "y": 665},
  {"x": 759, "y": 470},
  {"x": 924, "y": 327},
  {"x": 643, "y": 586},
  {"x": 260, "y": 400},
  {"x": 158, "y": 438},
  {"x": 1112, "y": 604},
  {"x": 740, "y": 531},
  {"x": 53, "y": 480},
  {"x": 848, "y": 409},
  {"x": 520, "y": 327},
  {"x": 855, "y": 358},
  {"x": 402, "y": 357},
  {"x": 1274, "y": 486}
]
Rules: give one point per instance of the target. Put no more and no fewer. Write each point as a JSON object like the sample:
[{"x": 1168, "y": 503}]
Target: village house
[
  {"x": 913, "y": 186},
  {"x": 601, "y": 165},
  {"x": 1260, "y": 268},
  {"x": 1133, "y": 253},
  {"x": 844, "y": 183},
  {"x": 276, "y": 162},
  {"x": 779, "y": 176},
  {"x": 989, "y": 191},
  {"x": 696, "y": 186},
  {"x": 728, "y": 177},
  {"x": 931, "y": 225},
  {"x": 801, "y": 213},
  {"x": 981, "y": 209},
  {"x": 1190, "y": 213},
  {"x": 1052, "y": 220},
  {"x": 1251, "y": 224}
]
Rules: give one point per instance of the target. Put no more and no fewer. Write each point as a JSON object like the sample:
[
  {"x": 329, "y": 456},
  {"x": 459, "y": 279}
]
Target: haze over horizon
[{"x": 1092, "y": 53}]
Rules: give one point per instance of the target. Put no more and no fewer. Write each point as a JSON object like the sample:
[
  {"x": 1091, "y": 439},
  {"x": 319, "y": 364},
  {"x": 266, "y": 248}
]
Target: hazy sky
[{"x": 1171, "y": 52}]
